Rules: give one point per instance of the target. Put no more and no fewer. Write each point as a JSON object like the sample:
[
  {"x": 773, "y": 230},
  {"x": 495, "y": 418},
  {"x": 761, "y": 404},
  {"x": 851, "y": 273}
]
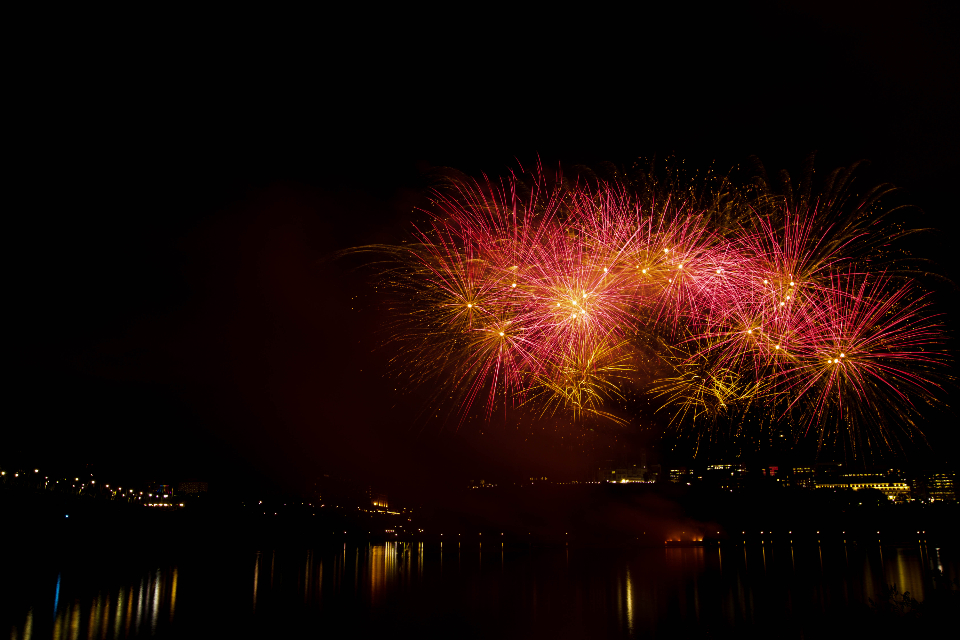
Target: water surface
[{"x": 461, "y": 590}]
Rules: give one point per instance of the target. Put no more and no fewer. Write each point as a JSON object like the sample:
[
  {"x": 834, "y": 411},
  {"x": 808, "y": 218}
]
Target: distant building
[
  {"x": 935, "y": 486},
  {"x": 893, "y": 489},
  {"x": 827, "y": 470},
  {"x": 731, "y": 469},
  {"x": 163, "y": 489},
  {"x": 725, "y": 476},
  {"x": 633, "y": 473},
  {"x": 377, "y": 499},
  {"x": 628, "y": 474},
  {"x": 192, "y": 487},
  {"x": 622, "y": 471},
  {"x": 940, "y": 486},
  {"x": 803, "y": 477}
]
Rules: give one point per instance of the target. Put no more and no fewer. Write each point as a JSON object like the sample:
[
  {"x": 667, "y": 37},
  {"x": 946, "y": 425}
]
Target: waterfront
[{"x": 464, "y": 590}]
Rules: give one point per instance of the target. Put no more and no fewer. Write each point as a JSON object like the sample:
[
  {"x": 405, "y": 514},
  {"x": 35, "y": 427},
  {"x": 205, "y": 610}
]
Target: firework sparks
[{"x": 534, "y": 297}]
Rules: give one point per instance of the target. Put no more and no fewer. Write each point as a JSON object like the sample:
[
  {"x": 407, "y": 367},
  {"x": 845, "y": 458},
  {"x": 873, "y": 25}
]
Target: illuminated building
[
  {"x": 940, "y": 486},
  {"x": 803, "y": 477},
  {"x": 891, "y": 488},
  {"x": 343, "y": 492},
  {"x": 726, "y": 476},
  {"x": 192, "y": 487},
  {"x": 732, "y": 469},
  {"x": 377, "y": 499},
  {"x": 935, "y": 486},
  {"x": 635, "y": 473},
  {"x": 628, "y": 473}
]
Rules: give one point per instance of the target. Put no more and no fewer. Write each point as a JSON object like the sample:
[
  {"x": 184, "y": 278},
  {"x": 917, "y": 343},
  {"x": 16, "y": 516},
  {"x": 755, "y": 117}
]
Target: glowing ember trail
[{"x": 538, "y": 293}]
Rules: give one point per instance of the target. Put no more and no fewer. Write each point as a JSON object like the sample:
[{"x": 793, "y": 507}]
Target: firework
[{"x": 533, "y": 292}]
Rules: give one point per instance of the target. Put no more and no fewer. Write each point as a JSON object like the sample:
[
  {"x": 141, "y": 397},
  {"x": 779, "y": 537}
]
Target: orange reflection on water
[
  {"x": 256, "y": 578},
  {"x": 381, "y": 569}
]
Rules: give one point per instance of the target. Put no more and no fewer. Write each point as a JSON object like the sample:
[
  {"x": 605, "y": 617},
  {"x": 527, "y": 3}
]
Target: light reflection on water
[
  {"x": 530, "y": 591},
  {"x": 127, "y": 610}
]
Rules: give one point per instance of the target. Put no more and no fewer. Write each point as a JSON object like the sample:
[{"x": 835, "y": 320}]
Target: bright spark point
[{"x": 692, "y": 348}]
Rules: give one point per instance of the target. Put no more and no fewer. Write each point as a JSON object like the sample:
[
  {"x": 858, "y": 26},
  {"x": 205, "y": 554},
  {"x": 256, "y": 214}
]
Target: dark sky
[{"x": 182, "y": 180}]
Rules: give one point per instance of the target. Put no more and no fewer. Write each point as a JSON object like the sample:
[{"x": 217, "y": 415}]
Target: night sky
[{"x": 182, "y": 183}]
